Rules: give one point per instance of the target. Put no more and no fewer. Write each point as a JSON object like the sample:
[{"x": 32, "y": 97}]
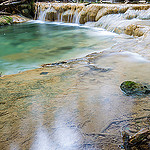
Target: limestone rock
[
  {"x": 105, "y": 11},
  {"x": 130, "y": 14},
  {"x": 82, "y": 16},
  {"x": 134, "y": 30},
  {"x": 68, "y": 16},
  {"x": 51, "y": 15},
  {"x": 92, "y": 12}
]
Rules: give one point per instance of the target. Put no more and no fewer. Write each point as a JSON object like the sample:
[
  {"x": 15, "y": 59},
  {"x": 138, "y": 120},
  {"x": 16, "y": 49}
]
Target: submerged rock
[{"x": 133, "y": 88}]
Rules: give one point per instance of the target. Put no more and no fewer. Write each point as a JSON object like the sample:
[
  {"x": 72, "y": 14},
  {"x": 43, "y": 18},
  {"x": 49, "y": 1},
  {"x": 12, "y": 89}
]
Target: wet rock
[
  {"x": 51, "y": 15},
  {"x": 19, "y": 19},
  {"x": 82, "y": 15},
  {"x": 54, "y": 64},
  {"x": 91, "y": 13},
  {"x": 134, "y": 30},
  {"x": 137, "y": 141},
  {"x": 68, "y": 16},
  {"x": 26, "y": 13},
  {"x": 43, "y": 73},
  {"x": 133, "y": 88},
  {"x": 105, "y": 11},
  {"x": 5, "y": 20},
  {"x": 130, "y": 14}
]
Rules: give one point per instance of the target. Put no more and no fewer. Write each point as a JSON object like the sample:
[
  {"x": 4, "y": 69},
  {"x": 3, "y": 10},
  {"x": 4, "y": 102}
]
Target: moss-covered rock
[
  {"x": 133, "y": 88},
  {"x": 5, "y": 20}
]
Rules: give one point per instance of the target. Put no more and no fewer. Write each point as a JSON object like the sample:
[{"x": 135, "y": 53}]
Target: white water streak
[{"x": 42, "y": 14}]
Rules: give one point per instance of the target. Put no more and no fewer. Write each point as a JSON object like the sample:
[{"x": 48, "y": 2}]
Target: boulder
[
  {"x": 5, "y": 20},
  {"x": 133, "y": 88},
  {"x": 134, "y": 30}
]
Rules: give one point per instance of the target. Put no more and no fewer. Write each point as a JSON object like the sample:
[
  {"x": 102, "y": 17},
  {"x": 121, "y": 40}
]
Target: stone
[
  {"x": 133, "y": 88},
  {"x": 51, "y": 15},
  {"x": 83, "y": 14},
  {"x": 134, "y": 30},
  {"x": 92, "y": 12},
  {"x": 137, "y": 141},
  {"x": 139, "y": 136},
  {"x": 25, "y": 12},
  {"x": 5, "y": 20},
  {"x": 68, "y": 16},
  {"x": 105, "y": 11}
]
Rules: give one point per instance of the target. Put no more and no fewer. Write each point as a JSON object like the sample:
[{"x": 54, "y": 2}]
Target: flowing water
[{"x": 27, "y": 46}]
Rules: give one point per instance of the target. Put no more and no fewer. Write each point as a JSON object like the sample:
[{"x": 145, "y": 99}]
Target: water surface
[{"x": 27, "y": 46}]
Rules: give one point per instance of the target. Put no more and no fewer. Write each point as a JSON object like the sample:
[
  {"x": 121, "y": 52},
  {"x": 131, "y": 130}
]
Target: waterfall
[
  {"x": 42, "y": 13},
  {"x": 61, "y": 17},
  {"x": 117, "y": 18},
  {"x": 58, "y": 16},
  {"x": 77, "y": 20}
]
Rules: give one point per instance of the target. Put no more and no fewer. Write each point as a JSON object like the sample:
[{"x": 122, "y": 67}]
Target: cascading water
[
  {"x": 103, "y": 16},
  {"x": 42, "y": 13}
]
